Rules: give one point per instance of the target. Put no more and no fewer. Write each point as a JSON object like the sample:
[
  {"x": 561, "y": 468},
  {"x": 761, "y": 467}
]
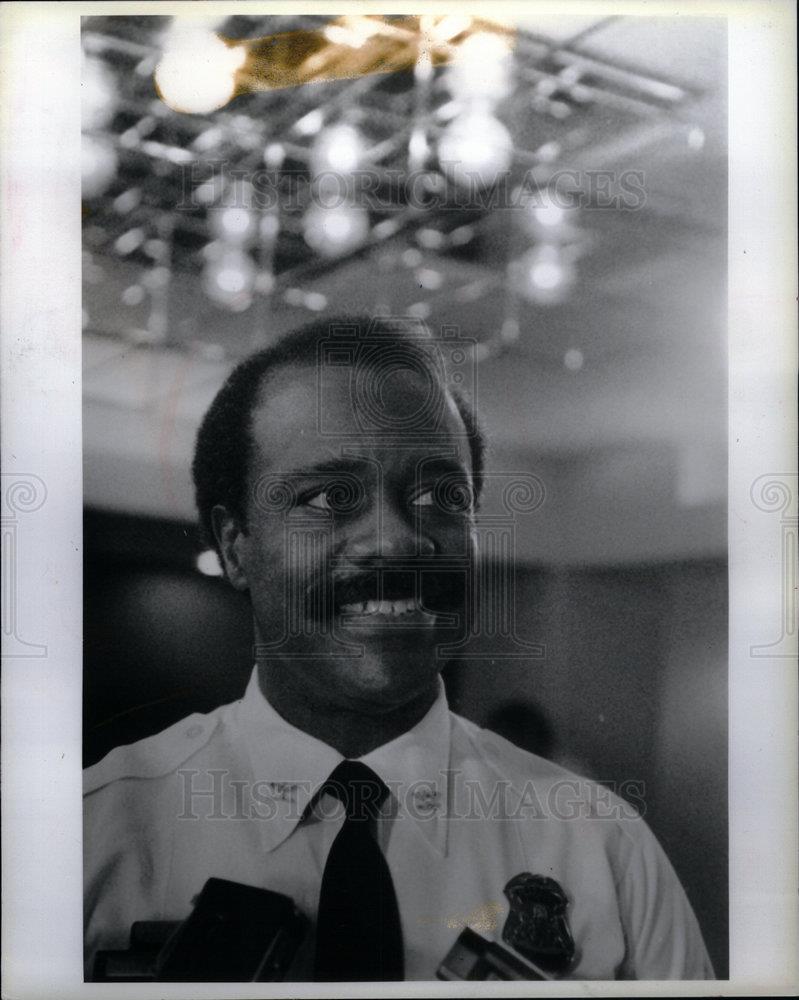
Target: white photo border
[{"x": 40, "y": 310}]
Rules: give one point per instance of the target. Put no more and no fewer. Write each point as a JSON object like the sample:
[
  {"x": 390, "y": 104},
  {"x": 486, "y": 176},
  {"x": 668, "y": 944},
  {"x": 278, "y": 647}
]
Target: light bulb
[
  {"x": 274, "y": 155},
  {"x": 338, "y": 148},
  {"x": 481, "y": 68},
  {"x": 475, "y": 147},
  {"x": 197, "y": 71},
  {"x": 97, "y": 94},
  {"x": 335, "y": 230},
  {"x": 228, "y": 279},
  {"x": 310, "y": 123},
  {"x": 547, "y": 212},
  {"x": 696, "y": 138},
  {"x": 544, "y": 275},
  {"x": 98, "y": 165},
  {"x": 573, "y": 359},
  {"x": 442, "y": 29},
  {"x": 233, "y": 224},
  {"x": 418, "y": 149}
]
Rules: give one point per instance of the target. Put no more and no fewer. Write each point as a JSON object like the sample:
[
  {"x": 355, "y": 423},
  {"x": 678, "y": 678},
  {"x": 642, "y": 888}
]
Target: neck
[{"x": 350, "y": 731}]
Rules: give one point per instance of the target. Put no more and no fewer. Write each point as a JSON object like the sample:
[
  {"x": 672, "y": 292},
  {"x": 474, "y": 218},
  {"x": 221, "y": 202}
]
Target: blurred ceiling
[{"x": 620, "y": 345}]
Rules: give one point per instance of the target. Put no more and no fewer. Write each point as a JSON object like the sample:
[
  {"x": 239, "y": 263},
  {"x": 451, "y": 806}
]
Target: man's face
[{"x": 358, "y": 542}]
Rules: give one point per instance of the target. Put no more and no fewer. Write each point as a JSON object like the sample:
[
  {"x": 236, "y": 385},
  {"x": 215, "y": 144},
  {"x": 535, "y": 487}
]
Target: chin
[{"x": 385, "y": 682}]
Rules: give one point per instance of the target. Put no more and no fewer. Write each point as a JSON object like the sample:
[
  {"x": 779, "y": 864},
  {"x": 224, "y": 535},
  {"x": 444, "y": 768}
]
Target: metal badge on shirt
[{"x": 537, "y": 926}]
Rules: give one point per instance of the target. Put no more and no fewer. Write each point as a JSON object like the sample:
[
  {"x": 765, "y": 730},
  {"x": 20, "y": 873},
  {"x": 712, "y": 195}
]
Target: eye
[
  {"x": 317, "y": 500},
  {"x": 425, "y": 499},
  {"x": 343, "y": 495},
  {"x": 449, "y": 495}
]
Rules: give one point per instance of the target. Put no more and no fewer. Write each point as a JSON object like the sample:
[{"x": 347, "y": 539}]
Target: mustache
[{"x": 435, "y": 587}]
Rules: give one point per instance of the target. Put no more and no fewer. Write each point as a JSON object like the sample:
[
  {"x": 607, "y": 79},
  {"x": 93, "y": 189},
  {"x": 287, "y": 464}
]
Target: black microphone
[
  {"x": 474, "y": 957},
  {"x": 235, "y": 934}
]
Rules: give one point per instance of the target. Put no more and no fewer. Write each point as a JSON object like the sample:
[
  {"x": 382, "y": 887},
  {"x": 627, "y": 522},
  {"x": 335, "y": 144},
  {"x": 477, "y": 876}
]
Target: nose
[{"x": 391, "y": 531}]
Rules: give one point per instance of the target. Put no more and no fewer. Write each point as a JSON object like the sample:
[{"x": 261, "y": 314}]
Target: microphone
[
  {"x": 238, "y": 934},
  {"x": 473, "y": 957},
  {"x": 234, "y": 934}
]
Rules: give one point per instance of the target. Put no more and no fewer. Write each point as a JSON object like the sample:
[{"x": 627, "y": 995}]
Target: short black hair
[{"x": 224, "y": 445}]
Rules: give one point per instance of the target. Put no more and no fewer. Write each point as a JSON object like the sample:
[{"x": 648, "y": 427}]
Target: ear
[{"x": 231, "y": 540}]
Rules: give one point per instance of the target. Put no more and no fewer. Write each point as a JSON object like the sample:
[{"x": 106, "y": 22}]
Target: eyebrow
[
  {"x": 437, "y": 464},
  {"x": 442, "y": 464},
  {"x": 330, "y": 465}
]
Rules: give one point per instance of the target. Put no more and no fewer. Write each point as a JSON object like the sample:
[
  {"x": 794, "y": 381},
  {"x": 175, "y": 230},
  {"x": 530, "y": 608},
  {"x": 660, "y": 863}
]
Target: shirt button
[{"x": 193, "y": 731}]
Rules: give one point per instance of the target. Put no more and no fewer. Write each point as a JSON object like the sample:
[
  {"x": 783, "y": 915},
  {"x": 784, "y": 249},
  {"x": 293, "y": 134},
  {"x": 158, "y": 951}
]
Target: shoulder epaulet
[{"x": 154, "y": 756}]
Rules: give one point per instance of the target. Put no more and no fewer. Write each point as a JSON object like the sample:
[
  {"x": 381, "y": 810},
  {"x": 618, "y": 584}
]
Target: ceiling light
[
  {"x": 543, "y": 275},
  {"x": 481, "y": 68},
  {"x": 228, "y": 279},
  {"x": 548, "y": 214},
  {"x": 197, "y": 70},
  {"x": 133, "y": 295},
  {"x": 98, "y": 165},
  {"x": 315, "y": 301},
  {"x": 418, "y": 149},
  {"x": 475, "y": 148},
  {"x": 311, "y": 123},
  {"x": 233, "y": 224},
  {"x": 445, "y": 28},
  {"x": 429, "y": 278},
  {"x": 97, "y": 94},
  {"x": 546, "y": 275},
  {"x": 338, "y": 149},
  {"x": 351, "y": 31},
  {"x": 335, "y": 230},
  {"x": 573, "y": 359},
  {"x": 129, "y": 241},
  {"x": 274, "y": 155},
  {"x": 696, "y": 138}
]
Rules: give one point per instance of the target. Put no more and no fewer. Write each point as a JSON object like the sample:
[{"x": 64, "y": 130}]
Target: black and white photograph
[{"x": 404, "y": 462}]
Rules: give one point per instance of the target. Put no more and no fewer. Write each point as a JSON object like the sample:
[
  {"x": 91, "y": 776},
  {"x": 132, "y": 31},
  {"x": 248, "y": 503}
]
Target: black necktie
[{"x": 358, "y": 934}]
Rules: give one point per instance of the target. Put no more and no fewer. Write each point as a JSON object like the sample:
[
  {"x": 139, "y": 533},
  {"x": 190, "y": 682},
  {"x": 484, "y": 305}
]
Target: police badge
[{"x": 536, "y": 926}]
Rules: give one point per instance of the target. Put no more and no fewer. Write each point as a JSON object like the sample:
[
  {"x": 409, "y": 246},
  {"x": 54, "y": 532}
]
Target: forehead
[{"x": 305, "y": 415}]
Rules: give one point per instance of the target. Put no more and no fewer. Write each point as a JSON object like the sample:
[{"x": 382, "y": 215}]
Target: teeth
[{"x": 393, "y": 608}]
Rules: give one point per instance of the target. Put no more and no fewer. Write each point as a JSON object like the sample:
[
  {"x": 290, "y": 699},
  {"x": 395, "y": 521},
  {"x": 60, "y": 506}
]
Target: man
[{"x": 337, "y": 476}]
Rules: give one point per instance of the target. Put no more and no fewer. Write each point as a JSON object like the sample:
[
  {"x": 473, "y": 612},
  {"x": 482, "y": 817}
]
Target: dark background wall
[{"x": 631, "y": 686}]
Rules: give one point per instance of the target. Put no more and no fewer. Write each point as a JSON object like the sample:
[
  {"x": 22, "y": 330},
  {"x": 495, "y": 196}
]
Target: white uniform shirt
[{"x": 223, "y": 795}]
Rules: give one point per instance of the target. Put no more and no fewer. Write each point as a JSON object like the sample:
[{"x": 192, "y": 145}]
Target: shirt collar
[{"x": 289, "y": 766}]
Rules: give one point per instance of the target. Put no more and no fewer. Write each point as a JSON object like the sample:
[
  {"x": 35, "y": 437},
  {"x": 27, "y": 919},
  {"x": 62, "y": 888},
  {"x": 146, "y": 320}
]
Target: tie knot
[{"x": 358, "y": 788}]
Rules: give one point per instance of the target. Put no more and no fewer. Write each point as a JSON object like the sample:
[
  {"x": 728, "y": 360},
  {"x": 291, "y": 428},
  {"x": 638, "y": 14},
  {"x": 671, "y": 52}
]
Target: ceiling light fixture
[{"x": 197, "y": 70}]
